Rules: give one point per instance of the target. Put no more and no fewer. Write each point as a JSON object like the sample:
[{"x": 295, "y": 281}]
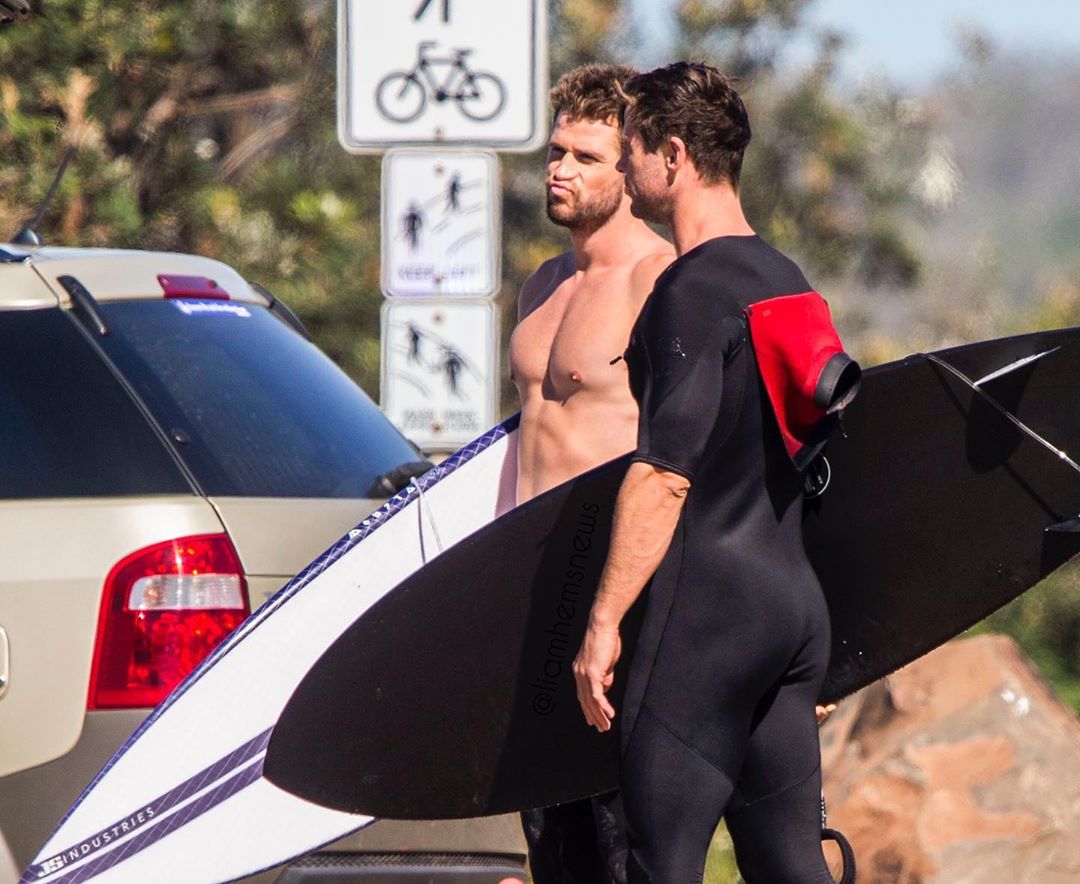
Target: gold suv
[{"x": 158, "y": 413}]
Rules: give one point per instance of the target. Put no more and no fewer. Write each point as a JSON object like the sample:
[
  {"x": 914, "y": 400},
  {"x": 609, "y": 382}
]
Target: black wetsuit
[
  {"x": 718, "y": 718},
  {"x": 579, "y": 842}
]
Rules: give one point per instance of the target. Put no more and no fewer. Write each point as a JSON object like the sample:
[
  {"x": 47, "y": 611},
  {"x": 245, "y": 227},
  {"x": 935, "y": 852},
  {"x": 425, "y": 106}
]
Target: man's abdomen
[{"x": 558, "y": 441}]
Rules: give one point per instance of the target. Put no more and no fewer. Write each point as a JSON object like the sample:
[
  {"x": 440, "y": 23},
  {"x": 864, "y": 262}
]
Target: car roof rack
[{"x": 84, "y": 302}]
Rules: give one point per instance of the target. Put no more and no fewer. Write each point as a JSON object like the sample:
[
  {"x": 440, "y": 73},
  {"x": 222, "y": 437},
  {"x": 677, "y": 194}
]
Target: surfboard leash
[
  {"x": 847, "y": 854},
  {"x": 425, "y": 510}
]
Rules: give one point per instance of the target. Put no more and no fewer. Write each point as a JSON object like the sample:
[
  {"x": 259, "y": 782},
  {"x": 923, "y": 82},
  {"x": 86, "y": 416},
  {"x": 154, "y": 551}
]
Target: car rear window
[
  {"x": 255, "y": 410},
  {"x": 67, "y": 426}
]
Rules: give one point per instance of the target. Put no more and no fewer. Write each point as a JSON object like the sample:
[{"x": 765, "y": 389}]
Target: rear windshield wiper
[{"x": 392, "y": 482}]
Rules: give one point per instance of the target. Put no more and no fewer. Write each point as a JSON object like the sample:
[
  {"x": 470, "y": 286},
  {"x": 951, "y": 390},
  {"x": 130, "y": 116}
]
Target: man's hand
[
  {"x": 594, "y": 672},
  {"x": 824, "y": 712}
]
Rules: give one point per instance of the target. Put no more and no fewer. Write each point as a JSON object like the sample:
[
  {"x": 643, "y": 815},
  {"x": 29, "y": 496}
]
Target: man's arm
[{"x": 646, "y": 512}]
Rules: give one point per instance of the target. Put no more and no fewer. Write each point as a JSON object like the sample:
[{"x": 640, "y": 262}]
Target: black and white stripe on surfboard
[{"x": 149, "y": 815}]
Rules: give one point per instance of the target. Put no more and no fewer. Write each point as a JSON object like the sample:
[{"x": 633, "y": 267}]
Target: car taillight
[{"x": 164, "y": 609}]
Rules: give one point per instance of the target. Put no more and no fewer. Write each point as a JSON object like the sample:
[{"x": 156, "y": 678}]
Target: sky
[{"x": 911, "y": 43}]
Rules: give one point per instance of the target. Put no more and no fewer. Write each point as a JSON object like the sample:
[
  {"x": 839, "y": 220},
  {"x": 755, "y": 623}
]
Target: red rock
[{"x": 962, "y": 767}]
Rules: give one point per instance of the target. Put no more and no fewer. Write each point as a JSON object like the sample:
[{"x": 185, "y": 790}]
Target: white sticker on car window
[{"x": 216, "y": 308}]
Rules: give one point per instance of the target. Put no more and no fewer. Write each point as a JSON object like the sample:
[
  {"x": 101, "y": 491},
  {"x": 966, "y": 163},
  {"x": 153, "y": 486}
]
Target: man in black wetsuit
[
  {"x": 575, "y": 314},
  {"x": 718, "y": 716}
]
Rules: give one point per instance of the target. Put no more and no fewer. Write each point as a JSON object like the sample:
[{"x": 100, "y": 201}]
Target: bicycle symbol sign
[
  {"x": 442, "y": 74},
  {"x": 403, "y": 95}
]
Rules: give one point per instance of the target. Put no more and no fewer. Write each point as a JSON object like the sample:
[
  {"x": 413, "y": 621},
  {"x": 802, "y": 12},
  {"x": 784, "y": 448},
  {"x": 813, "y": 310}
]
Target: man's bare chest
[{"x": 574, "y": 339}]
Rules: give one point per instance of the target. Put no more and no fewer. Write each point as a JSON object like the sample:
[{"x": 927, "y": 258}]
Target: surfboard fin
[
  {"x": 1069, "y": 526},
  {"x": 1001, "y": 409},
  {"x": 1013, "y": 366}
]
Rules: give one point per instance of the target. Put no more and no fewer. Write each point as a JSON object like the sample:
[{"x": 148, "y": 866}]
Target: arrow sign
[{"x": 424, "y": 8}]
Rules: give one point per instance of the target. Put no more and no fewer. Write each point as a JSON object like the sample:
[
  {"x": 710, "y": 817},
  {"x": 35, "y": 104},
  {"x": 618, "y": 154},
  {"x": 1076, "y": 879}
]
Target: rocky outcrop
[{"x": 962, "y": 767}]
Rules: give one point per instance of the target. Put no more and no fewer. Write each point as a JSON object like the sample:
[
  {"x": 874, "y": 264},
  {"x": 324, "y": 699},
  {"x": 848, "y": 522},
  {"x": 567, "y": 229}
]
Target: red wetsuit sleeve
[{"x": 803, "y": 367}]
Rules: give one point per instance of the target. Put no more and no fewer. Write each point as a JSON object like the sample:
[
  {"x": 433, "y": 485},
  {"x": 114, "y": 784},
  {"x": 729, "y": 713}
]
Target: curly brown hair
[
  {"x": 592, "y": 92},
  {"x": 695, "y": 102}
]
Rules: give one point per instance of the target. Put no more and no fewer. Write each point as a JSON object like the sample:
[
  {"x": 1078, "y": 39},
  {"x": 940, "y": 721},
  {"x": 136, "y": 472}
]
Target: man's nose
[
  {"x": 564, "y": 168},
  {"x": 620, "y": 163}
]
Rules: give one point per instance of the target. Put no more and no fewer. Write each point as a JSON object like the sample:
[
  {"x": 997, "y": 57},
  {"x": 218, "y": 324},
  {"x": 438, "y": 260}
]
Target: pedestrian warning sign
[
  {"x": 440, "y": 224},
  {"x": 439, "y": 370}
]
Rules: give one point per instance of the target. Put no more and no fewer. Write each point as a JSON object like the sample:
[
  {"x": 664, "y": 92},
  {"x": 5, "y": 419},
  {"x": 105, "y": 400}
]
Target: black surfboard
[{"x": 454, "y": 697}]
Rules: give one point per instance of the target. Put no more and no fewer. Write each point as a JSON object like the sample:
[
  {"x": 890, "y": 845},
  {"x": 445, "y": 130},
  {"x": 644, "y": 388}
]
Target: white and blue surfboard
[{"x": 190, "y": 778}]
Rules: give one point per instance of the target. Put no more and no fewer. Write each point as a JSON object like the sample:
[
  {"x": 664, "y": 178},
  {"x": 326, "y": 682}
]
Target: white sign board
[
  {"x": 426, "y": 72},
  {"x": 440, "y": 223},
  {"x": 439, "y": 370}
]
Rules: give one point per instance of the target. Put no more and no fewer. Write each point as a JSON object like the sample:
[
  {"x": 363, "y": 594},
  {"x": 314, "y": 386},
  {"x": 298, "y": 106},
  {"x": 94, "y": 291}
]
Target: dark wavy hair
[{"x": 695, "y": 102}]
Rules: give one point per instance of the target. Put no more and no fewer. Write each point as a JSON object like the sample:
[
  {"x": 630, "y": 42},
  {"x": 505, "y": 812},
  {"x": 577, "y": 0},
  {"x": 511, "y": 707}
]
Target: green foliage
[
  {"x": 205, "y": 127},
  {"x": 720, "y": 865},
  {"x": 744, "y": 36},
  {"x": 581, "y": 31},
  {"x": 826, "y": 177},
  {"x": 209, "y": 127}
]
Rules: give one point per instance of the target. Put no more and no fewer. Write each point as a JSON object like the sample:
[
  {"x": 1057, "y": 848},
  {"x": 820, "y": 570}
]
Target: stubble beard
[
  {"x": 652, "y": 209},
  {"x": 591, "y": 215}
]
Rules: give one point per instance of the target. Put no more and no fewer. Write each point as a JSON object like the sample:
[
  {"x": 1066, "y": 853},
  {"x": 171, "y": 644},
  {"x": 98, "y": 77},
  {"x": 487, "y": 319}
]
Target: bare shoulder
[
  {"x": 543, "y": 281},
  {"x": 649, "y": 267}
]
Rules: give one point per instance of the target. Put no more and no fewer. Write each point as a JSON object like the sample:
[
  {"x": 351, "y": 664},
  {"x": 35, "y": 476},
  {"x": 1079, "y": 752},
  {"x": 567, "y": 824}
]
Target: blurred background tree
[
  {"x": 209, "y": 127},
  {"x": 205, "y": 127}
]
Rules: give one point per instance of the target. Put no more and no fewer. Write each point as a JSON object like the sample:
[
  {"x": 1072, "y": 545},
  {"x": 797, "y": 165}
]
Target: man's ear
[{"x": 675, "y": 155}]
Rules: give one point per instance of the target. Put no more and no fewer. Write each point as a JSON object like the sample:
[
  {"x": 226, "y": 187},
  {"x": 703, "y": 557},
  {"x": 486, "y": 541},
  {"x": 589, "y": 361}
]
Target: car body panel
[
  {"x": 438, "y": 835},
  {"x": 278, "y": 536},
  {"x": 51, "y": 622},
  {"x": 261, "y": 589},
  {"x": 32, "y": 801},
  {"x": 23, "y": 289},
  {"x": 116, "y": 275}
]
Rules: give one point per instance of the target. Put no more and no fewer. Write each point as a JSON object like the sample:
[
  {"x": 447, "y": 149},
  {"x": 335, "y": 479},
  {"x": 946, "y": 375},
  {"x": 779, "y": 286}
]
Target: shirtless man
[{"x": 574, "y": 318}]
